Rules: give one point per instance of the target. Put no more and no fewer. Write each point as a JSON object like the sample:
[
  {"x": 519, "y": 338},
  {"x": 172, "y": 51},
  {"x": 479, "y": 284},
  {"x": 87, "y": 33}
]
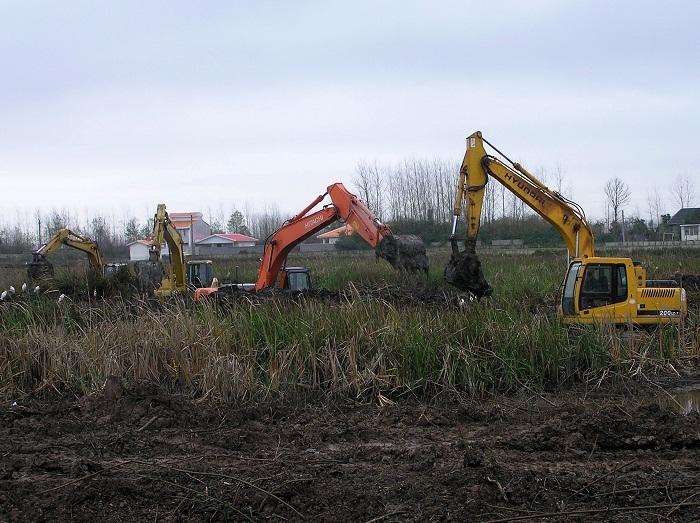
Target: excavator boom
[
  {"x": 151, "y": 275},
  {"x": 566, "y": 216},
  {"x": 346, "y": 206},
  {"x": 402, "y": 252},
  {"x": 40, "y": 266},
  {"x": 595, "y": 288}
]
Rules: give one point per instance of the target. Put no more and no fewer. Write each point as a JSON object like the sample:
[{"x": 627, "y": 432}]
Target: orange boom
[{"x": 404, "y": 253}]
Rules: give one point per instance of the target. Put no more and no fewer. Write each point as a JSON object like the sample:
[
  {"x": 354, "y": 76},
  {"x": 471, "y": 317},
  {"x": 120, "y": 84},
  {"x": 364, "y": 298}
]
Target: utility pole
[
  {"x": 623, "y": 226},
  {"x": 191, "y": 235}
]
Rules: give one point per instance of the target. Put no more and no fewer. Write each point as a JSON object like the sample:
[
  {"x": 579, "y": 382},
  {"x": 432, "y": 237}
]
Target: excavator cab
[
  {"x": 295, "y": 279},
  {"x": 200, "y": 273},
  {"x": 615, "y": 289}
]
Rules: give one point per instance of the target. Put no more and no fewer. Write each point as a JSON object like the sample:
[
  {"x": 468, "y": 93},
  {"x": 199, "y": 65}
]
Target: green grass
[{"x": 359, "y": 346}]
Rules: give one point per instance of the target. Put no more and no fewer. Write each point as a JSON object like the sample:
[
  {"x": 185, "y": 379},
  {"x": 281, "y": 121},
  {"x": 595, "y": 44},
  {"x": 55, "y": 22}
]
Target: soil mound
[
  {"x": 690, "y": 282},
  {"x": 404, "y": 252},
  {"x": 463, "y": 271}
]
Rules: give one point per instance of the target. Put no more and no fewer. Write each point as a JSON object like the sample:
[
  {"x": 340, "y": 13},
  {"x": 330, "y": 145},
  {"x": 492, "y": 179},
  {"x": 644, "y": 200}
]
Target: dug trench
[{"x": 611, "y": 453}]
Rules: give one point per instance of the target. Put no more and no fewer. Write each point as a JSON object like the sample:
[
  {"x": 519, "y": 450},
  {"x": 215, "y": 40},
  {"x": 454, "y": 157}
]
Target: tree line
[{"x": 414, "y": 195}]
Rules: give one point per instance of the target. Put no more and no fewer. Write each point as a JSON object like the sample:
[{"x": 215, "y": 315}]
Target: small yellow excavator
[
  {"x": 41, "y": 267},
  {"x": 595, "y": 288},
  {"x": 182, "y": 275}
]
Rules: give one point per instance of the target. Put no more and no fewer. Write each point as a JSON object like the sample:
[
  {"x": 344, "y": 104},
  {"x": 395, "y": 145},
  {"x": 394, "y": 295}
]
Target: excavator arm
[
  {"x": 566, "y": 216},
  {"x": 610, "y": 289},
  {"x": 464, "y": 268},
  {"x": 164, "y": 232},
  {"x": 40, "y": 266},
  {"x": 345, "y": 205},
  {"x": 402, "y": 252}
]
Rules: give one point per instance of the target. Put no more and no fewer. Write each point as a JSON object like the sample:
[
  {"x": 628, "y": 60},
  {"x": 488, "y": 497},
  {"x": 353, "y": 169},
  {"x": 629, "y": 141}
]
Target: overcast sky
[{"x": 120, "y": 105}]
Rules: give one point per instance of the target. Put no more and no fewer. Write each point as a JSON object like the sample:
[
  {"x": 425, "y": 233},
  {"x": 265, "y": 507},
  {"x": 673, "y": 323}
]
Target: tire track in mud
[{"x": 148, "y": 455}]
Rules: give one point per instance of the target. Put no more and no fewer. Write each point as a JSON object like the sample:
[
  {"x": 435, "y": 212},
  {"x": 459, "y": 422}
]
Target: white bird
[
  {"x": 94, "y": 293},
  {"x": 61, "y": 298},
  {"x": 36, "y": 290},
  {"x": 24, "y": 287},
  {"x": 11, "y": 289},
  {"x": 3, "y": 296}
]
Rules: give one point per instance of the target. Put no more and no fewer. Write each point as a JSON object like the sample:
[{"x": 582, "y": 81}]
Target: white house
[
  {"x": 138, "y": 250},
  {"x": 235, "y": 240},
  {"x": 334, "y": 235},
  {"x": 224, "y": 243},
  {"x": 688, "y": 220}
]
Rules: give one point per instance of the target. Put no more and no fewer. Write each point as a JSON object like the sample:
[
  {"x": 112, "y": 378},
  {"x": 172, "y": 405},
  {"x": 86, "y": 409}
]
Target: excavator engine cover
[
  {"x": 404, "y": 252},
  {"x": 463, "y": 271}
]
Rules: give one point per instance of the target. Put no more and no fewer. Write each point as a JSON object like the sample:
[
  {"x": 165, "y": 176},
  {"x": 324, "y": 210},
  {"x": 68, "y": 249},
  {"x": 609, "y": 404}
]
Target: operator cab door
[
  {"x": 568, "y": 298},
  {"x": 604, "y": 291}
]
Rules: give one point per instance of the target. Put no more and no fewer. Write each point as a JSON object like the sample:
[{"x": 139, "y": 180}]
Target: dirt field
[{"x": 604, "y": 455}]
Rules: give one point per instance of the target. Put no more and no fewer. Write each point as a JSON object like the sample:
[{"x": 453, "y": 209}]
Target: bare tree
[
  {"x": 370, "y": 184},
  {"x": 618, "y": 194},
  {"x": 683, "y": 191},
  {"x": 655, "y": 205}
]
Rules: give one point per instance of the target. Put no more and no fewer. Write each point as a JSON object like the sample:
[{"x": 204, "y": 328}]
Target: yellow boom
[
  {"x": 40, "y": 266},
  {"x": 611, "y": 289}
]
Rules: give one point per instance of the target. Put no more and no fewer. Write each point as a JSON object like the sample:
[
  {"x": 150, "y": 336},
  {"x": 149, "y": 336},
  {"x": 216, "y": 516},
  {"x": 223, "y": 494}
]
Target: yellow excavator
[
  {"x": 182, "y": 275},
  {"x": 41, "y": 267},
  {"x": 595, "y": 288}
]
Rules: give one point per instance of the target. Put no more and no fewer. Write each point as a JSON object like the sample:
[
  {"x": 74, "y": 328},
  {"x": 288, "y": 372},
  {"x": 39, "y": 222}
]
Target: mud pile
[
  {"x": 396, "y": 296},
  {"x": 690, "y": 282},
  {"x": 463, "y": 271},
  {"x": 404, "y": 252},
  {"x": 149, "y": 275},
  {"x": 39, "y": 268}
]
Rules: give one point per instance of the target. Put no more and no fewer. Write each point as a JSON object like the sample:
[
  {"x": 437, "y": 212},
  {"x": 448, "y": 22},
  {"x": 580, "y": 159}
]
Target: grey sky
[{"x": 121, "y": 105}]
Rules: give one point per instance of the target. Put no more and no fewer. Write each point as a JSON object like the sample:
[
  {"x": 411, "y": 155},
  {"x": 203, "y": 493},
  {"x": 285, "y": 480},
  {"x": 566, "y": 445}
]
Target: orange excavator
[{"x": 405, "y": 252}]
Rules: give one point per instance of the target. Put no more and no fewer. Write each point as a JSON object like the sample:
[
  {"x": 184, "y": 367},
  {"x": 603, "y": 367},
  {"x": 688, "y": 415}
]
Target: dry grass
[{"x": 359, "y": 346}]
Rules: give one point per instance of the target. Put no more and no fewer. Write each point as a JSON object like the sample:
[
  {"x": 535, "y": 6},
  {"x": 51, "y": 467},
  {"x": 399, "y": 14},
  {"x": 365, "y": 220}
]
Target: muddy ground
[{"x": 605, "y": 454}]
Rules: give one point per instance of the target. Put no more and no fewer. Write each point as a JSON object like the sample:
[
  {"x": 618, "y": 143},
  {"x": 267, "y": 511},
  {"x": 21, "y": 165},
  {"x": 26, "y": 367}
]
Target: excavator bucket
[
  {"x": 463, "y": 271},
  {"x": 39, "y": 268},
  {"x": 404, "y": 252}
]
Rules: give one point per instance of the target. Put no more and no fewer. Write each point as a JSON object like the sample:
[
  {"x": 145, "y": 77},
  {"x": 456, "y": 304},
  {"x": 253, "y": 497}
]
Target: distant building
[
  {"x": 191, "y": 227},
  {"x": 333, "y": 236},
  {"x": 138, "y": 250},
  {"x": 688, "y": 220},
  {"x": 224, "y": 244}
]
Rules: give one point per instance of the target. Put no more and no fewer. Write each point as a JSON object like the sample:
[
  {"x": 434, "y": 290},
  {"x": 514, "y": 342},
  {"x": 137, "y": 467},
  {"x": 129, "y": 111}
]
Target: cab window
[
  {"x": 603, "y": 284},
  {"x": 297, "y": 281},
  {"x": 621, "y": 283}
]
